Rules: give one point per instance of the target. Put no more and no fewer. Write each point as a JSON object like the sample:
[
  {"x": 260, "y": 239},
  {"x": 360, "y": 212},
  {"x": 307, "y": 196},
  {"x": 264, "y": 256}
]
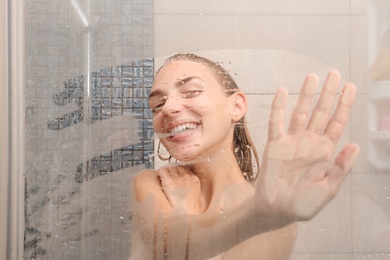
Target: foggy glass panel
[{"x": 89, "y": 67}]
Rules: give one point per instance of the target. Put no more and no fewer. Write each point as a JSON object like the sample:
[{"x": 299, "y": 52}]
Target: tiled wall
[
  {"x": 266, "y": 44},
  {"x": 88, "y": 128}
]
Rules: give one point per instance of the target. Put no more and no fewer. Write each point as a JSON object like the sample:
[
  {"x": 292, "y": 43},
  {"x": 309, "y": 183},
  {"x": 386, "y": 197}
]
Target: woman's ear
[{"x": 240, "y": 106}]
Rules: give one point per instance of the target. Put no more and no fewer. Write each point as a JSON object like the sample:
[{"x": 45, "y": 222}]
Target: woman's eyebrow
[{"x": 181, "y": 82}]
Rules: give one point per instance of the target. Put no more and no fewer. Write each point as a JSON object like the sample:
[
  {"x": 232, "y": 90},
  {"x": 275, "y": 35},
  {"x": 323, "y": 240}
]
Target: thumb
[{"x": 341, "y": 167}]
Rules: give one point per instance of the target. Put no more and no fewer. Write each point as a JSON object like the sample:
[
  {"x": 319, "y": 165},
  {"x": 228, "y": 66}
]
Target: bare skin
[{"x": 204, "y": 208}]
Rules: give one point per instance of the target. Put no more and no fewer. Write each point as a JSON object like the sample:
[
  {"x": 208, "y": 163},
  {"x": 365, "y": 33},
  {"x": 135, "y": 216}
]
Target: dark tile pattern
[{"x": 121, "y": 90}]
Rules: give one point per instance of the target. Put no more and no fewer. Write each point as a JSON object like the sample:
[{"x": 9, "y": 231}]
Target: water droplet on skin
[{"x": 221, "y": 212}]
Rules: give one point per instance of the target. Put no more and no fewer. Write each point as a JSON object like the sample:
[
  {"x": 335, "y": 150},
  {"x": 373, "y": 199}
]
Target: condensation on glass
[{"x": 88, "y": 75}]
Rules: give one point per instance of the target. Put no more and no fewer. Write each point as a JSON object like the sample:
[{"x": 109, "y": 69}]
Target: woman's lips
[
  {"x": 180, "y": 132},
  {"x": 183, "y": 128}
]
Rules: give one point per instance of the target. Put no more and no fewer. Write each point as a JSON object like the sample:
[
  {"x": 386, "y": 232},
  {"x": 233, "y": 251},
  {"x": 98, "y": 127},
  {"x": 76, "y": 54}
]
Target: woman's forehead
[
  {"x": 183, "y": 68},
  {"x": 177, "y": 71}
]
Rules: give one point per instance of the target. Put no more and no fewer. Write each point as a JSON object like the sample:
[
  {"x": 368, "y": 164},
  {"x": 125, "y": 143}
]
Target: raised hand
[{"x": 298, "y": 176}]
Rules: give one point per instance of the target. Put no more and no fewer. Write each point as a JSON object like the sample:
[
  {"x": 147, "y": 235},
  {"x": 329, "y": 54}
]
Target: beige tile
[
  {"x": 371, "y": 212},
  {"x": 258, "y": 71},
  {"x": 330, "y": 230},
  {"x": 299, "y": 7},
  {"x": 378, "y": 139},
  {"x": 359, "y": 52},
  {"x": 301, "y": 40},
  {"x": 359, "y": 7},
  {"x": 321, "y": 256},
  {"x": 359, "y": 132},
  {"x": 371, "y": 256},
  {"x": 257, "y": 119}
]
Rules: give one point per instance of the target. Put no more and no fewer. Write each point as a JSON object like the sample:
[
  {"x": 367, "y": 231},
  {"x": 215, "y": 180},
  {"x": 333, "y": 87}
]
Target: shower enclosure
[
  {"x": 76, "y": 127},
  {"x": 79, "y": 79}
]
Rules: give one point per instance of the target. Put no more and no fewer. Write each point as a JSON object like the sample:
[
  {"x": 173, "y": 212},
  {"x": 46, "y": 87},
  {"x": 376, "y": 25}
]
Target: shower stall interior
[{"x": 76, "y": 126}]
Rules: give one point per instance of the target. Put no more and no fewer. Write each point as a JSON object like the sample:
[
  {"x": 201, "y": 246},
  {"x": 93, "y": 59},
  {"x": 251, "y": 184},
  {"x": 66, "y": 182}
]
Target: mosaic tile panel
[
  {"x": 85, "y": 142},
  {"x": 116, "y": 91}
]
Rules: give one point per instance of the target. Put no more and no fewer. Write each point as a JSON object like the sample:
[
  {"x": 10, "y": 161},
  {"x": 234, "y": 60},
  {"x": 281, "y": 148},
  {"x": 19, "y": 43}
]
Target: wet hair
[{"x": 243, "y": 146}]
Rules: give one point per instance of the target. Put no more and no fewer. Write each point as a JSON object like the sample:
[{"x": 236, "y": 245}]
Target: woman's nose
[{"x": 172, "y": 105}]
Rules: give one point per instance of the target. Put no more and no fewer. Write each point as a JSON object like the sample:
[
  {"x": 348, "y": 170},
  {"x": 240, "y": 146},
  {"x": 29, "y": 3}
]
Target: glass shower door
[{"x": 84, "y": 127}]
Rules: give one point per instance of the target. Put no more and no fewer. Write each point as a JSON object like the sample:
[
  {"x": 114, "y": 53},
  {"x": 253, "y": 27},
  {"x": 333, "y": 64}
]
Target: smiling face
[{"x": 192, "y": 115}]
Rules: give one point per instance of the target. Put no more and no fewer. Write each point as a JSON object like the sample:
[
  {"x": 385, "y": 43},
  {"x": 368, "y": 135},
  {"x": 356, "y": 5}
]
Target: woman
[{"x": 212, "y": 204}]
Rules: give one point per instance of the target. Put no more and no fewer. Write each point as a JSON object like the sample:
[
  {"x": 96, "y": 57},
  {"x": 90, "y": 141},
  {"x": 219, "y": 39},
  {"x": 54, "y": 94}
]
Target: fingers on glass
[
  {"x": 300, "y": 115},
  {"x": 341, "y": 167},
  {"x": 321, "y": 112},
  {"x": 276, "y": 120},
  {"x": 340, "y": 117}
]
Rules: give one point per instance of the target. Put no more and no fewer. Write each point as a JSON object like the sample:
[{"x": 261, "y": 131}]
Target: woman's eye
[
  {"x": 191, "y": 93},
  {"x": 157, "y": 108}
]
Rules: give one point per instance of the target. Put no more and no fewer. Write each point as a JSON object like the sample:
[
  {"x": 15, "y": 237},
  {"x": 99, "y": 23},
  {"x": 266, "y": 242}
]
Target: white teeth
[{"x": 182, "y": 127}]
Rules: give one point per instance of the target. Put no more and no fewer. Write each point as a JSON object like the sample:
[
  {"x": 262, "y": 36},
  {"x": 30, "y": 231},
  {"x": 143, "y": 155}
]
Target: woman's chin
[
  {"x": 184, "y": 158},
  {"x": 185, "y": 153},
  {"x": 192, "y": 154}
]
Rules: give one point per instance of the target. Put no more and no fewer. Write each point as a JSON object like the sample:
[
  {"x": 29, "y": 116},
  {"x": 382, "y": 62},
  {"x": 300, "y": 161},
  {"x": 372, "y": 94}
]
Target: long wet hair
[{"x": 243, "y": 146}]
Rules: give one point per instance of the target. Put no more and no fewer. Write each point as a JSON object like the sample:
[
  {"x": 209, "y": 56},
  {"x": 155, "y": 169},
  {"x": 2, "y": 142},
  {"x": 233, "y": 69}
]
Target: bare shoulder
[{"x": 147, "y": 183}]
